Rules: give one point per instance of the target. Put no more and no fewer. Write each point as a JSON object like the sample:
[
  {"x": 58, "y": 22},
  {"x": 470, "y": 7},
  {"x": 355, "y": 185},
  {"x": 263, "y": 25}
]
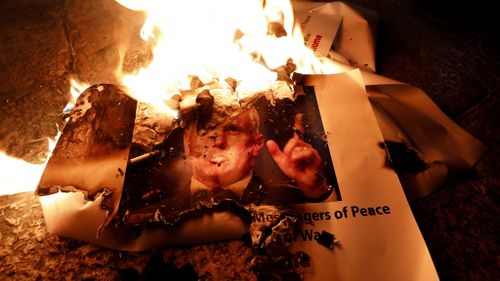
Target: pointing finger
[{"x": 275, "y": 151}]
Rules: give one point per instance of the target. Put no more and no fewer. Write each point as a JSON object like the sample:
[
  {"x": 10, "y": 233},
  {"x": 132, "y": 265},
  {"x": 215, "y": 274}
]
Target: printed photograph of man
[
  {"x": 222, "y": 158},
  {"x": 274, "y": 154}
]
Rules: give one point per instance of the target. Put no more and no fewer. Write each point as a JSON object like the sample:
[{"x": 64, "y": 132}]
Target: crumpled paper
[{"x": 405, "y": 114}]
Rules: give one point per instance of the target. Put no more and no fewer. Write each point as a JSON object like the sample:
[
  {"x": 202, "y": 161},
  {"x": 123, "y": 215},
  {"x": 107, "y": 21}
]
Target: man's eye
[{"x": 232, "y": 129}]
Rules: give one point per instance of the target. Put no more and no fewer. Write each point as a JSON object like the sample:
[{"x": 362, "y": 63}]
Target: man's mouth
[{"x": 216, "y": 159}]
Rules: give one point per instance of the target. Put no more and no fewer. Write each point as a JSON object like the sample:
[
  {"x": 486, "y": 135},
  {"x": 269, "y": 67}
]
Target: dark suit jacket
[{"x": 258, "y": 192}]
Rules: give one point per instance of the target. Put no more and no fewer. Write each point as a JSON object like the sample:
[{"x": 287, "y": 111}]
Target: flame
[
  {"x": 76, "y": 88},
  {"x": 52, "y": 144},
  {"x": 18, "y": 175},
  {"x": 215, "y": 41},
  {"x": 21, "y": 176}
]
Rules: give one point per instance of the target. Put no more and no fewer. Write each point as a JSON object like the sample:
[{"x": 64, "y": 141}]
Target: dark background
[{"x": 450, "y": 50}]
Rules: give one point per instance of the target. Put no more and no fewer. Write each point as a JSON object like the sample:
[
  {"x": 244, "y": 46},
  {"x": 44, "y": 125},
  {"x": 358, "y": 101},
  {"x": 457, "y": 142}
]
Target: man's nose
[{"x": 217, "y": 139}]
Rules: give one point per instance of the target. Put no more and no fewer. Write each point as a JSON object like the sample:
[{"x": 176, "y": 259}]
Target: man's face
[{"x": 224, "y": 154}]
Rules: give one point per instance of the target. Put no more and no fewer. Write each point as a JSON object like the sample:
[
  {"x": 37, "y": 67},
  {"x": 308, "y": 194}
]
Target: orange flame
[
  {"x": 212, "y": 40},
  {"x": 217, "y": 40},
  {"x": 76, "y": 88},
  {"x": 20, "y": 176}
]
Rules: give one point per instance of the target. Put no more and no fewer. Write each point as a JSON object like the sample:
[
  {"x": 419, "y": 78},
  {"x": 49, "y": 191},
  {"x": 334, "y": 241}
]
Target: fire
[
  {"x": 76, "y": 88},
  {"x": 18, "y": 175},
  {"x": 243, "y": 41},
  {"x": 21, "y": 176}
]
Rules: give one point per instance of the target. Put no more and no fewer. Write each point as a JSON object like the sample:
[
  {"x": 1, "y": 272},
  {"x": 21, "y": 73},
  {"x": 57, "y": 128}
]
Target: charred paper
[
  {"x": 222, "y": 162},
  {"x": 91, "y": 154}
]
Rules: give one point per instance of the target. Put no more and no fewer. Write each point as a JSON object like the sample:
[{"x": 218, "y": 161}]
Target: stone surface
[
  {"x": 460, "y": 221},
  {"x": 99, "y": 38},
  {"x": 28, "y": 252},
  {"x": 33, "y": 67},
  {"x": 450, "y": 50}
]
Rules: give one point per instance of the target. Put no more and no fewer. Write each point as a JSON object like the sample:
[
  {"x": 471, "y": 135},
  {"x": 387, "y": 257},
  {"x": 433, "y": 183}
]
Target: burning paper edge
[
  {"x": 62, "y": 209},
  {"x": 332, "y": 13},
  {"x": 399, "y": 229},
  {"x": 351, "y": 18}
]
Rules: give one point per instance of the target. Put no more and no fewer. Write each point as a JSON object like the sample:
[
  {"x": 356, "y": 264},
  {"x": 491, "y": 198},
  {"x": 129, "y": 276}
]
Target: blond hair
[{"x": 254, "y": 118}]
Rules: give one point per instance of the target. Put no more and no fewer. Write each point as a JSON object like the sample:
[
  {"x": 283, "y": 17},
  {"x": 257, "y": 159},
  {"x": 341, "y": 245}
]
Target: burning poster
[
  {"x": 263, "y": 154},
  {"x": 363, "y": 194},
  {"x": 230, "y": 142}
]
